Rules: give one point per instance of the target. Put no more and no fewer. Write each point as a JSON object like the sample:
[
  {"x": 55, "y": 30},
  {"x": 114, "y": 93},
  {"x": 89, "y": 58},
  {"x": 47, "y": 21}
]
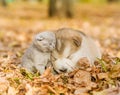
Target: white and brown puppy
[
  {"x": 38, "y": 54},
  {"x": 71, "y": 45}
]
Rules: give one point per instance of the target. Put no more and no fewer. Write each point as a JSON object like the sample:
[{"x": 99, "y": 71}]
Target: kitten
[
  {"x": 38, "y": 54},
  {"x": 71, "y": 46}
]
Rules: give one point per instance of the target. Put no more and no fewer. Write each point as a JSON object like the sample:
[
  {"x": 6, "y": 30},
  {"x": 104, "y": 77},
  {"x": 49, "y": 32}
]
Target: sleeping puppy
[{"x": 71, "y": 46}]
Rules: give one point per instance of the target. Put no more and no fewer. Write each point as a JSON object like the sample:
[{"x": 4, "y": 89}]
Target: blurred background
[{"x": 21, "y": 19}]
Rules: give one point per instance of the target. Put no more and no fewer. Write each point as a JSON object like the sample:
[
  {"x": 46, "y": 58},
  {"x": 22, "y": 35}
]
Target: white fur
[{"x": 88, "y": 49}]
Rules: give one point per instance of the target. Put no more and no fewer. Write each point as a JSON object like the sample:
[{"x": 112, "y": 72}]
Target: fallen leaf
[{"x": 102, "y": 76}]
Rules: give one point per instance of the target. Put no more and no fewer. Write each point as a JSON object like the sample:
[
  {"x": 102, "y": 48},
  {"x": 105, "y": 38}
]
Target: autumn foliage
[{"x": 18, "y": 25}]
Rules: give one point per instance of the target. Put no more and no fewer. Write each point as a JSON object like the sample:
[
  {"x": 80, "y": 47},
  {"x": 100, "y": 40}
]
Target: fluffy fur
[
  {"x": 38, "y": 54},
  {"x": 72, "y": 45}
]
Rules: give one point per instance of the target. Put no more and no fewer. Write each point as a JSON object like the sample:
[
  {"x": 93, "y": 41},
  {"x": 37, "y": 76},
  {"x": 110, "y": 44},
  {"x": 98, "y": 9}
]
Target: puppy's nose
[{"x": 63, "y": 70}]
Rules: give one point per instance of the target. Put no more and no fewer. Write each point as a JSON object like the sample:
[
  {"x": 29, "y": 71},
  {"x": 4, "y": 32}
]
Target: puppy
[
  {"x": 38, "y": 54},
  {"x": 71, "y": 46}
]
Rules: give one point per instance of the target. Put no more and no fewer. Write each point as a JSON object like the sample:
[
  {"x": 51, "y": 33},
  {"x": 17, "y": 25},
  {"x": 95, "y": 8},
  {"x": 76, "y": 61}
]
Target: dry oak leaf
[
  {"x": 82, "y": 77},
  {"x": 83, "y": 63},
  {"x": 102, "y": 76}
]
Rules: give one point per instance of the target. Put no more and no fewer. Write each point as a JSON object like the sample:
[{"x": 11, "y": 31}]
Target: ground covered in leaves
[{"x": 20, "y": 22}]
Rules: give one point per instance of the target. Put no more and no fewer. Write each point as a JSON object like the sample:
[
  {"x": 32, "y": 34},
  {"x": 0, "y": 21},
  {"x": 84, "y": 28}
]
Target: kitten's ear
[
  {"x": 39, "y": 38},
  {"x": 77, "y": 41},
  {"x": 58, "y": 44}
]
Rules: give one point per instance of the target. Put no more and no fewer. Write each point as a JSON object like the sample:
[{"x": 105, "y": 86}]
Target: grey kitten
[{"x": 38, "y": 54}]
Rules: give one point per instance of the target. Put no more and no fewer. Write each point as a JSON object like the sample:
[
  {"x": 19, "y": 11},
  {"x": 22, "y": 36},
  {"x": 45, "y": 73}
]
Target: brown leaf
[
  {"x": 83, "y": 63},
  {"x": 82, "y": 77},
  {"x": 102, "y": 76}
]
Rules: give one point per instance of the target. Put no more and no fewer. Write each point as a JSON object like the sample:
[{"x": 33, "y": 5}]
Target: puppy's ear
[{"x": 77, "y": 41}]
